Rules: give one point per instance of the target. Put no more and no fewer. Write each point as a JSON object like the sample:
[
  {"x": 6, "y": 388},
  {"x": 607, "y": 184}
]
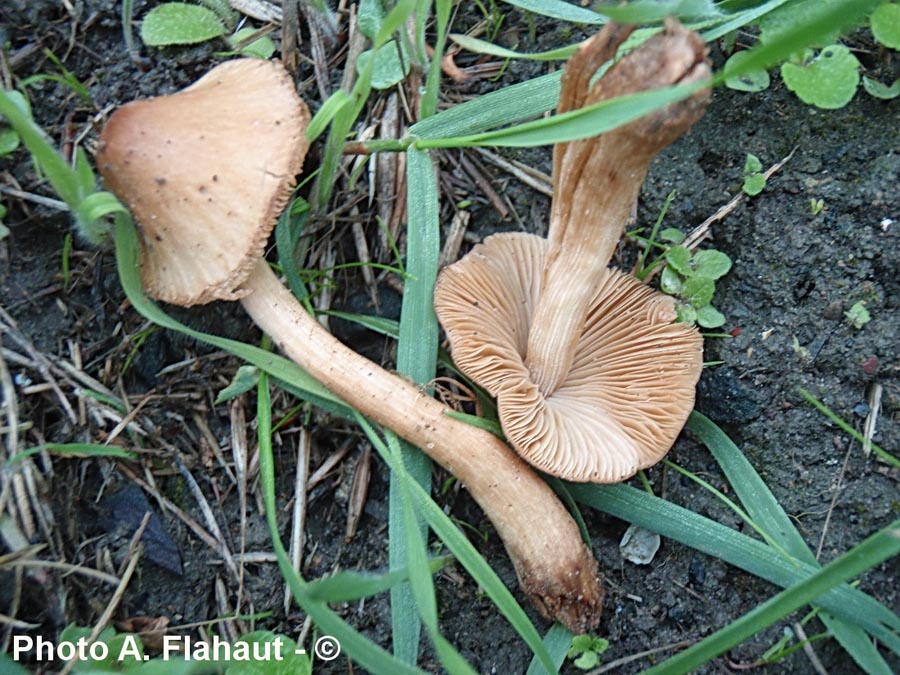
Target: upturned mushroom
[
  {"x": 593, "y": 379},
  {"x": 205, "y": 172}
]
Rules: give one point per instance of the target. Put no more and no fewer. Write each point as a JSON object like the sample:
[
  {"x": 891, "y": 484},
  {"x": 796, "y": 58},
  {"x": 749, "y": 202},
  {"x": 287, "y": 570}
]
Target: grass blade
[
  {"x": 464, "y": 551},
  {"x": 557, "y": 641},
  {"x": 417, "y": 359},
  {"x": 768, "y": 514},
  {"x": 556, "y": 9},
  {"x": 707, "y": 536},
  {"x": 872, "y": 551},
  {"x": 367, "y": 653}
]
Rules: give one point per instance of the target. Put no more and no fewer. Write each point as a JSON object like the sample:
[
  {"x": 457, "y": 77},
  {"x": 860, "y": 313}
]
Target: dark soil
[{"x": 795, "y": 275}]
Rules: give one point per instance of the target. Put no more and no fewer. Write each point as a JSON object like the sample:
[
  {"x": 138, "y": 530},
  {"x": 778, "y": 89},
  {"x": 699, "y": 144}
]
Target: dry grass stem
[{"x": 298, "y": 517}]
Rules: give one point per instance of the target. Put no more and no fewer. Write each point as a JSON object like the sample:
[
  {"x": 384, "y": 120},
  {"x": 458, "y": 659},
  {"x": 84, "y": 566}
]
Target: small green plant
[
  {"x": 180, "y": 23},
  {"x": 858, "y": 315},
  {"x": 816, "y": 206},
  {"x": 825, "y": 74},
  {"x": 754, "y": 179},
  {"x": 390, "y": 62},
  {"x": 586, "y": 650},
  {"x": 691, "y": 278}
]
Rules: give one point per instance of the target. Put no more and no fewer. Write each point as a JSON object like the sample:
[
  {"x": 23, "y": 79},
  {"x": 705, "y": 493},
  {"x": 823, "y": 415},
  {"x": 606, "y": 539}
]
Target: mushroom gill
[{"x": 593, "y": 379}]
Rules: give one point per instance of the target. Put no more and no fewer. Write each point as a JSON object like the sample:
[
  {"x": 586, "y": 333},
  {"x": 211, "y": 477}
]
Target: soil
[{"x": 795, "y": 275}]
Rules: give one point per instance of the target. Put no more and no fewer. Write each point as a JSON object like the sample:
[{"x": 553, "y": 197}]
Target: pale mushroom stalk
[
  {"x": 555, "y": 568},
  {"x": 206, "y": 172},
  {"x": 597, "y": 180}
]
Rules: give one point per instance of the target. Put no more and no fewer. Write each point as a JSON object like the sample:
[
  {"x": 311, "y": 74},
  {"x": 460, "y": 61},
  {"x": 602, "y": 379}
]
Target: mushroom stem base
[{"x": 556, "y": 570}]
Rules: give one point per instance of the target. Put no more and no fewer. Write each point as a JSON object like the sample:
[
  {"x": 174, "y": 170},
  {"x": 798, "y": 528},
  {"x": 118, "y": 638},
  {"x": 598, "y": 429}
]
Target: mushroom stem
[
  {"x": 556, "y": 569},
  {"x": 597, "y": 181}
]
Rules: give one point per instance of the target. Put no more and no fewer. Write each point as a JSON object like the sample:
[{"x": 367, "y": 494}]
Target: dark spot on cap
[
  {"x": 158, "y": 237},
  {"x": 215, "y": 178},
  {"x": 160, "y": 180},
  {"x": 202, "y": 189}
]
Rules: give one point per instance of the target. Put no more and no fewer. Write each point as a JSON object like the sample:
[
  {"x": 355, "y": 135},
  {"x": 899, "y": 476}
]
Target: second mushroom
[{"x": 593, "y": 378}]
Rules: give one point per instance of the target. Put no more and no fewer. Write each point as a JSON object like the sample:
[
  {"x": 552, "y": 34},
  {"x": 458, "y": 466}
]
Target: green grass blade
[
  {"x": 581, "y": 123},
  {"x": 740, "y": 19},
  {"x": 361, "y": 649},
  {"x": 442, "y": 10},
  {"x": 707, "y": 536},
  {"x": 872, "y": 551},
  {"x": 349, "y": 585},
  {"x": 767, "y": 513},
  {"x": 499, "y": 108},
  {"x": 417, "y": 359},
  {"x": 465, "y": 552},
  {"x": 557, "y": 641},
  {"x": 296, "y": 380},
  {"x": 479, "y": 46},
  {"x": 556, "y": 9},
  {"x": 75, "y": 450},
  {"x": 830, "y": 414},
  {"x": 420, "y": 582},
  {"x": 59, "y": 173}
]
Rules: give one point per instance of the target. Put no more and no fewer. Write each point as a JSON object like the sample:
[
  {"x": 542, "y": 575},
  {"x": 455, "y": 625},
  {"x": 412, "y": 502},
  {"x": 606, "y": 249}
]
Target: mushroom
[
  {"x": 593, "y": 379},
  {"x": 205, "y": 172}
]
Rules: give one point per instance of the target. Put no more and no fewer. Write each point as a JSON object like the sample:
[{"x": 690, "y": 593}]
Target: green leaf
[
  {"x": 779, "y": 22},
  {"x": 670, "y": 281},
  {"x": 673, "y": 235},
  {"x": 878, "y": 90},
  {"x": 679, "y": 258},
  {"x": 768, "y": 514},
  {"x": 709, "y": 317},
  {"x": 858, "y": 315},
  {"x": 652, "y": 11},
  {"x": 556, "y": 641},
  {"x": 698, "y": 291},
  {"x": 753, "y": 81},
  {"x": 686, "y": 313},
  {"x": 484, "y": 47},
  {"x": 370, "y": 17},
  {"x": 177, "y": 23},
  {"x": 261, "y": 48},
  {"x": 245, "y": 379},
  {"x": 752, "y": 164},
  {"x": 707, "y": 536},
  {"x": 829, "y": 81},
  {"x": 711, "y": 264},
  {"x": 417, "y": 359},
  {"x": 391, "y": 64},
  {"x": 289, "y": 663},
  {"x": 753, "y": 184},
  {"x": 557, "y": 9},
  {"x": 871, "y": 552},
  {"x": 75, "y": 450},
  {"x": 885, "y": 22},
  {"x": 9, "y": 141},
  {"x": 587, "y": 660}
]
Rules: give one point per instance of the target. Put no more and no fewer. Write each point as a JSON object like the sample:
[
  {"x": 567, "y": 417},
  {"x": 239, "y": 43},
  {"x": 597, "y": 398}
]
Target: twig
[
  {"x": 531, "y": 177},
  {"x": 872, "y": 418},
  {"x": 209, "y": 517},
  {"x": 42, "y": 364},
  {"x": 298, "y": 520},
  {"x": 606, "y": 667},
  {"x": 113, "y": 602},
  {"x": 454, "y": 238},
  {"x": 700, "y": 232},
  {"x": 808, "y": 649}
]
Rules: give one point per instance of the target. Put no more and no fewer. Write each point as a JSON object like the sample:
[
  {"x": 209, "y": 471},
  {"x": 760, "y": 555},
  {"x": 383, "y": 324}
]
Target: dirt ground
[{"x": 795, "y": 275}]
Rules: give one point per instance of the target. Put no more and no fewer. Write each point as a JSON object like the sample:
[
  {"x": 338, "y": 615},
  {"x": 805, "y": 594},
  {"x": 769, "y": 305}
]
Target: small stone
[
  {"x": 870, "y": 365},
  {"x": 639, "y": 545}
]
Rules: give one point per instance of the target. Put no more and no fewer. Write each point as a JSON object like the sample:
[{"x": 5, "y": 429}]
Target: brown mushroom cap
[
  {"x": 206, "y": 172},
  {"x": 631, "y": 385}
]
